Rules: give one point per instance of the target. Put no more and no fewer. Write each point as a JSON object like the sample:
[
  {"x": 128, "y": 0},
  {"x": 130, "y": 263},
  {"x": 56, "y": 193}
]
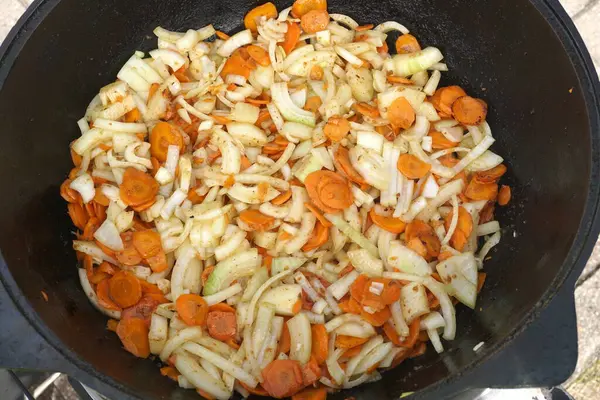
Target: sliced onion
[
  {"x": 301, "y": 338},
  {"x": 109, "y": 235},
  {"x": 84, "y": 184}
]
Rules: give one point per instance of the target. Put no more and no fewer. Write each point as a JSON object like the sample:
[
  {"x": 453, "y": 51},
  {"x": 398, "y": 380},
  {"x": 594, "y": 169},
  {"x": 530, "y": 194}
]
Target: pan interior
[{"x": 503, "y": 52}]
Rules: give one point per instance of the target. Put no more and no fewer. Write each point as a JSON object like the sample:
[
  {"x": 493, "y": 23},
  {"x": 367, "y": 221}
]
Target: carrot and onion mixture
[{"x": 287, "y": 210}]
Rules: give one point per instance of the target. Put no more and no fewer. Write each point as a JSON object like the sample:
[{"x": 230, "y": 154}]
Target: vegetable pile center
[{"x": 286, "y": 211}]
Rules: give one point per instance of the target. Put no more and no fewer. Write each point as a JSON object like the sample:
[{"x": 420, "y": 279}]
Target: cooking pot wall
[{"x": 501, "y": 51}]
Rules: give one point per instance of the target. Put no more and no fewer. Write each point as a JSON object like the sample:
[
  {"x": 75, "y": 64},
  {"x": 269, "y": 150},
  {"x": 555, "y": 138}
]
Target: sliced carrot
[
  {"x": 383, "y": 49},
  {"x": 138, "y": 187},
  {"x": 107, "y": 268},
  {"x": 407, "y": 43},
  {"x": 150, "y": 288},
  {"x": 504, "y": 195},
  {"x": 390, "y": 224},
  {"x": 78, "y": 215},
  {"x": 222, "y": 35},
  {"x": 481, "y": 191},
  {"x": 239, "y": 63},
  {"x": 480, "y": 280},
  {"x": 221, "y": 325},
  {"x": 112, "y": 324},
  {"x": 314, "y": 21},
  {"x": 399, "y": 80},
  {"x": 440, "y": 142},
  {"x": 147, "y": 242},
  {"x": 391, "y": 334},
  {"x": 341, "y": 157},
  {"x": 192, "y": 309},
  {"x": 297, "y": 307},
  {"x": 104, "y": 299},
  {"x": 169, "y": 372},
  {"x": 319, "y": 393},
  {"x": 336, "y": 128},
  {"x": 352, "y": 352},
  {"x": 285, "y": 340},
  {"x": 256, "y": 220},
  {"x": 291, "y": 38},
  {"x": 258, "y": 390},
  {"x": 350, "y": 305},
  {"x": 413, "y": 333},
  {"x": 377, "y": 318},
  {"x": 90, "y": 228},
  {"x": 70, "y": 195},
  {"x": 282, "y": 198},
  {"x": 329, "y": 191},
  {"x": 366, "y": 109},
  {"x": 133, "y": 333},
  {"x": 348, "y": 342},
  {"x": 320, "y": 339},
  {"x": 444, "y": 97},
  {"x": 153, "y": 89},
  {"x": 129, "y": 255},
  {"x": 132, "y": 116},
  {"x": 417, "y": 229},
  {"x": 260, "y": 55},
  {"x": 491, "y": 175},
  {"x": 412, "y": 167},
  {"x": 358, "y": 287},
  {"x": 320, "y": 217},
  {"x": 311, "y": 372},
  {"x": 224, "y": 307},
  {"x": 469, "y": 111},
  {"x": 401, "y": 113},
  {"x": 432, "y": 244},
  {"x": 319, "y": 237},
  {"x": 162, "y": 136},
  {"x": 76, "y": 158},
  {"x": 124, "y": 289},
  {"x": 364, "y": 28},
  {"x": 301, "y": 7},
  {"x": 313, "y": 103},
  {"x": 417, "y": 246},
  {"x": 282, "y": 378},
  {"x": 316, "y": 73},
  {"x": 267, "y": 10},
  {"x": 144, "y": 308}
]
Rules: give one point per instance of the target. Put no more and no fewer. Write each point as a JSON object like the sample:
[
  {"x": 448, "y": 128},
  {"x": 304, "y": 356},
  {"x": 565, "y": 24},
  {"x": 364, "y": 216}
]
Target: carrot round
[
  {"x": 341, "y": 157},
  {"x": 504, "y": 195},
  {"x": 239, "y": 63},
  {"x": 318, "y": 238},
  {"x": 350, "y": 305},
  {"x": 417, "y": 229},
  {"x": 133, "y": 333},
  {"x": 124, "y": 289},
  {"x": 162, "y": 136},
  {"x": 407, "y": 43},
  {"x": 76, "y": 158},
  {"x": 432, "y": 244},
  {"x": 104, "y": 299},
  {"x": 314, "y": 21},
  {"x": 320, "y": 217},
  {"x": 336, "y": 128},
  {"x": 440, "y": 142},
  {"x": 313, "y": 103},
  {"x": 192, "y": 309},
  {"x": 132, "y": 116},
  {"x": 481, "y": 191},
  {"x": 416, "y": 245},
  {"x": 291, "y": 37},
  {"x": 256, "y": 220},
  {"x": 137, "y": 188},
  {"x": 491, "y": 175},
  {"x": 413, "y": 334},
  {"x": 401, "y": 113},
  {"x": 469, "y": 111},
  {"x": 129, "y": 255},
  {"x": 320, "y": 340},
  {"x": 282, "y": 378},
  {"x": 412, "y": 167},
  {"x": 444, "y": 97},
  {"x": 221, "y": 325},
  {"x": 329, "y": 191},
  {"x": 357, "y": 288},
  {"x": 311, "y": 372},
  {"x": 260, "y": 55},
  {"x": 78, "y": 215},
  {"x": 147, "y": 243},
  {"x": 366, "y": 109},
  {"x": 144, "y": 308},
  {"x": 282, "y": 198},
  {"x": 267, "y": 10},
  {"x": 390, "y": 224},
  {"x": 301, "y": 7},
  {"x": 310, "y": 393},
  {"x": 348, "y": 342}
]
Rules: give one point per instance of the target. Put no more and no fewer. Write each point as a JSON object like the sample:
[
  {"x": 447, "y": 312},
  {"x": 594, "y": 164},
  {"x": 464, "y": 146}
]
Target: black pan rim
[{"x": 583, "y": 243}]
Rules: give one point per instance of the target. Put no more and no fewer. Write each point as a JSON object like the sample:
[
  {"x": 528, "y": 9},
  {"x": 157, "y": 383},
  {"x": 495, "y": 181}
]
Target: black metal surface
[{"x": 524, "y": 58}]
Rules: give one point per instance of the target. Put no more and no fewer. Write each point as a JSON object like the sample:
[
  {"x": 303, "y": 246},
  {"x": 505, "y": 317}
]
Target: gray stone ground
[{"x": 585, "y": 382}]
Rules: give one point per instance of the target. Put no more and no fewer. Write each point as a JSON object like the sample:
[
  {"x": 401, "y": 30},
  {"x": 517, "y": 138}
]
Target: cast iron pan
[{"x": 523, "y": 57}]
